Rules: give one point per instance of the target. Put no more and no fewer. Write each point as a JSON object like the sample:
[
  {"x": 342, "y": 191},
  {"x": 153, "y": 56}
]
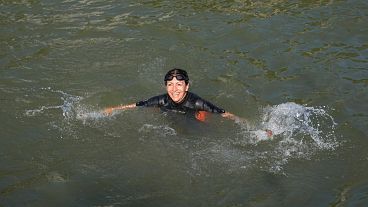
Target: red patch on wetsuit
[{"x": 201, "y": 115}]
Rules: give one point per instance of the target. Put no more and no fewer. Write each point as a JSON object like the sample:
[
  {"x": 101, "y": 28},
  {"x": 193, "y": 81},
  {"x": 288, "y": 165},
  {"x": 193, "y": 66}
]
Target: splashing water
[
  {"x": 298, "y": 132},
  {"x": 71, "y": 108},
  {"x": 34, "y": 112},
  {"x": 67, "y": 107},
  {"x": 161, "y": 130},
  {"x": 291, "y": 121},
  {"x": 86, "y": 114}
]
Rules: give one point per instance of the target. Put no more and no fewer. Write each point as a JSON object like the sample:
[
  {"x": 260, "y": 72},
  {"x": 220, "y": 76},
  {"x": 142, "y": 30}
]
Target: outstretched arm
[
  {"x": 242, "y": 120},
  {"x": 233, "y": 117},
  {"x": 109, "y": 110}
]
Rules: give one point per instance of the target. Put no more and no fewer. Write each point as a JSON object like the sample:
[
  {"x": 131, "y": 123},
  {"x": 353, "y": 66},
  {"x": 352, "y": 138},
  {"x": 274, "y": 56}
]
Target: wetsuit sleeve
[
  {"x": 152, "y": 102},
  {"x": 204, "y": 105}
]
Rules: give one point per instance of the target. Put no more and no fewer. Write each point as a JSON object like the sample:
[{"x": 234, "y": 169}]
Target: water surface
[{"x": 296, "y": 67}]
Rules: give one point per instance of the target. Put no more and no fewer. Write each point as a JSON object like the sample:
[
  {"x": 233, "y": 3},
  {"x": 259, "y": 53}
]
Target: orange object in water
[{"x": 201, "y": 115}]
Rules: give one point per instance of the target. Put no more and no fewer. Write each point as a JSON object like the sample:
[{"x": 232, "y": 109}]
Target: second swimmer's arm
[{"x": 109, "y": 110}]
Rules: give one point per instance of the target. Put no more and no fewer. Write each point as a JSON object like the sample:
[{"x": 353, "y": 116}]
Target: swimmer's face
[{"x": 177, "y": 89}]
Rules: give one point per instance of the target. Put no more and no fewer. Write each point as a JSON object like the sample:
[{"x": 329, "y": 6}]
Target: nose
[{"x": 175, "y": 87}]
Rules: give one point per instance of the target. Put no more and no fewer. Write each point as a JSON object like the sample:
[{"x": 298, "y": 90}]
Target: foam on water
[
  {"x": 71, "y": 108},
  {"x": 67, "y": 107},
  {"x": 291, "y": 120},
  {"x": 299, "y": 132},
  {"x": 162, "y": 130},
  {"x": 85, "y": 114},
  {"x": 72, "y": 112},
  {"x": 42, "y": 109}
]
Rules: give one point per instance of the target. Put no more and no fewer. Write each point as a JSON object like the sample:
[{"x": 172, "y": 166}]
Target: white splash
[
  {"x": 71, "y": 107},
  {"x": 86, "y": 114},
  {"x": 67, "y": 107},
  {"x": 291, "y": 120},
  {"x": 161, "y": 130},
  {"x": 42, "y": 109},
  {"x": 299, "y": 132}
]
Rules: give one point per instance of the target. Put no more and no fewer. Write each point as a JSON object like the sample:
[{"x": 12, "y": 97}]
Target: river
[{"x": 299, "y": 68}]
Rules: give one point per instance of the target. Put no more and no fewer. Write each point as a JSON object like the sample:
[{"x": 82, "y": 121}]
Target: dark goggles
[{"x": 179, "y": 77}]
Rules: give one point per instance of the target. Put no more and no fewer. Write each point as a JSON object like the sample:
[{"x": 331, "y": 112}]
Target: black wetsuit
[{"x": 191, "y": 102}]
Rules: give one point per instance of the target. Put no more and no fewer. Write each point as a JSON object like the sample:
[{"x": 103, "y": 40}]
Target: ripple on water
[{"x": 299, "y": 132}]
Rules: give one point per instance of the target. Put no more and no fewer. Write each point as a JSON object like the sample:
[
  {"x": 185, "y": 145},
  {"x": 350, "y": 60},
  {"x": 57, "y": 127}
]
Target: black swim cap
[{"x": 179, "y": 74}]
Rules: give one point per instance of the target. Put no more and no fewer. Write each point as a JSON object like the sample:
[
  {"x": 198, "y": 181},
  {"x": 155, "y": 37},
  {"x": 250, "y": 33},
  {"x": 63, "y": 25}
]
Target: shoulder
[
  {"x": 193, "y": 96},
  {"x": 195, "y": 100},
  {"x": 158, "y": 100},
  {"x": 202, "y": 104}
]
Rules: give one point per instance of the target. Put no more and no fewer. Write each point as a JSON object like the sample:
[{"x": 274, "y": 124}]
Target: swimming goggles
[{"x": 179, "y": 77}]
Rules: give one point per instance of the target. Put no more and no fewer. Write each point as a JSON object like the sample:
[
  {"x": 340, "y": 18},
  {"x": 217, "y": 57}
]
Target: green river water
[{"x": 297, "y": 67}]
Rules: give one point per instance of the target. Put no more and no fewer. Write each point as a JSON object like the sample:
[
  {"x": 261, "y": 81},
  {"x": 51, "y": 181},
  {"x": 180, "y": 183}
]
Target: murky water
[{"x": 298, "y": 68}]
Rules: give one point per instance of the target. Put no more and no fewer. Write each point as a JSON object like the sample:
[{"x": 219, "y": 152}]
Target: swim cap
[{"x": 179, "y": 74}]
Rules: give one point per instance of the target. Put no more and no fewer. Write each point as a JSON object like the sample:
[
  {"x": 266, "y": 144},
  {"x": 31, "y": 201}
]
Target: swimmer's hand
[
  {"x": 228, "y": 115},
  {"x": 269, "y": 133},
  {"x": 233, "y": 117},
  {"x": 237, "y": 119},
  {"x": 108, "y": 111}
]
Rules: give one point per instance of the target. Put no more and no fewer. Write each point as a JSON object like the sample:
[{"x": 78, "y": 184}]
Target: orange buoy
[{"x": 201, "y": 115}]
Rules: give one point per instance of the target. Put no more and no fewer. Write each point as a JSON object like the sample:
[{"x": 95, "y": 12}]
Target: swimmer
[{"x": 179, "y": 99}]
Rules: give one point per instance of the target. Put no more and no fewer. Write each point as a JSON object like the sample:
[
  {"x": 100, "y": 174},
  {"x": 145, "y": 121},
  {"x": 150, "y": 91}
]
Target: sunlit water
[{"x": 296, "y": 68}]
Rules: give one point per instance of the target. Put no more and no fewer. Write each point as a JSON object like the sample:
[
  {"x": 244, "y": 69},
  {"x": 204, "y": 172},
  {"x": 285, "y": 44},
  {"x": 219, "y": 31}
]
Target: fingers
[
  {"x": 108, "y": 111},
  {"x": 269, "y": 133},
  {"x": 228, "y": 115}
]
